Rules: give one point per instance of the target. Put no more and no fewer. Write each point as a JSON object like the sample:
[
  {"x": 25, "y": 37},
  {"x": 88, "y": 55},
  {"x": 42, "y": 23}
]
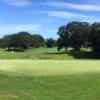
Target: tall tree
[
  {"x": 95, "y": 37},
  {"x": 22, "y": 40},
  {"x": 63, "y": 41},
  {"x": 78, "y": 34},
  {"x": 50, "y": 42},
  {"x": 74, "y": 35},
  {"x": 37, "y": 41}
]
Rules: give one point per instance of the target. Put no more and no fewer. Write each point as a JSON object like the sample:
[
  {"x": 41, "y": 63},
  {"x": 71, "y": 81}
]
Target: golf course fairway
[{"x": 49, "y": 80}]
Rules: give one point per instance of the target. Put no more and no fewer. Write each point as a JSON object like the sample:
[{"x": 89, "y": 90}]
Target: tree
[
  {"x": 22, "y": 41},
  {"x": 60, "y": 43},
  {"x": 95, "y": 37},
  {"x": 50, "y": 43},
  {"x": 3, "y": 43},
  {"x": 15, "y": 42},
  {"x": 37, "y": 41},
  {"x": 63, "y": 41},
  {"x": 19, "y": 41},
  {"x": 11, "y": 41},
  {"x": 78, "y": 34},
  {"x": 25, "y": 39},
  {"x": 74, "y": 35}
]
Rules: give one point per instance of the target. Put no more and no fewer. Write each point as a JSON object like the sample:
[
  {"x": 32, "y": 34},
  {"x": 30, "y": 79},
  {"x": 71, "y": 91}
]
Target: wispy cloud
[
  {"x": 85, "y": 7},
  {"x": 73, "y": 16},
  {"x": 17, "y": 3},
  {"x": 14, "y": 28},
  {"x": 69, "y": 16}
]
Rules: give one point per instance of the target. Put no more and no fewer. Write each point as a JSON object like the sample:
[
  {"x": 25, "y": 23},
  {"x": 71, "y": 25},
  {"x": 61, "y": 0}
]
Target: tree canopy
[
  {"x": 50, "y": 42},
  {"x": 79, "y": 34},
  {"x": 22, "y": 41}
]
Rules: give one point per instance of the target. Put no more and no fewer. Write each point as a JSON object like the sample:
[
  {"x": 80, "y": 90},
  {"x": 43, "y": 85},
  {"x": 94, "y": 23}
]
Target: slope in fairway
[
  {"x": 49, "y": 80},
  {"x": 50, "y": 67}
]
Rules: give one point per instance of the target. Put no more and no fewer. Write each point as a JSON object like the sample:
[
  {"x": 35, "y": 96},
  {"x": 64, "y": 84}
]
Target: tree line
[
  {"x": 75, "y": 35},
  {"x": 79, "y": 34},
  {"x": 25, "y": 40}
]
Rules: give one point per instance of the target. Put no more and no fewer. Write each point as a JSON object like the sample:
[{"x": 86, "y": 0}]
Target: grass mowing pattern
[
  {"x": 49, "y": 53},
  {"x": 50, "y": 67},
  {"x": 80, "y": 80},
  {"x": 71, "y": 87},
  {"x": 35, "y": 53}
]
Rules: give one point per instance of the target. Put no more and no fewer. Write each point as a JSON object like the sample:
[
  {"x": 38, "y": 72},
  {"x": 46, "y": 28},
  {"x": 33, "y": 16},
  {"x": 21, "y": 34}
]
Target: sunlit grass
[{"x": 49, "y": 80}]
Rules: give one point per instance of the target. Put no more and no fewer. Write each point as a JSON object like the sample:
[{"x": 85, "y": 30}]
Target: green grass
[
  {"x": 49, "y": 80},
  {"x": 49, "y": 53},
  {"x": 32, "y": 78},
  {"x": 35, "y": 53},
  {"x": 49, "y": 67}
]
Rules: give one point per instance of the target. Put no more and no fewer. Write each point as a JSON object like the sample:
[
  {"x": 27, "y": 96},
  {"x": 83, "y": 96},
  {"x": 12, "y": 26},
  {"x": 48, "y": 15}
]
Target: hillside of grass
[
  {"x": 49, "y": 80},
  {"x": 34, "y": 53},
  {"x": 49, "y": 53}
]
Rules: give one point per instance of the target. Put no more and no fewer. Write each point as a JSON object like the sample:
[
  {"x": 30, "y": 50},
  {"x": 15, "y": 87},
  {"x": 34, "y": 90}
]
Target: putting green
[{"x": 50, "y": 67}]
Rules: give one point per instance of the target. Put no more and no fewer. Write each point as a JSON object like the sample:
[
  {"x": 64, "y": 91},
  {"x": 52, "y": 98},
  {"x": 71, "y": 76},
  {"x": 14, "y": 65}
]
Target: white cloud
[
  {"x": 73, "y": 6},
  {"x": 69, "y": 16},
  {"x": 17, "y": 3},
  {"x": 61, "y": 14},
  {"x": 73, "y": 16},
  {"x": 13, "y": 28}
]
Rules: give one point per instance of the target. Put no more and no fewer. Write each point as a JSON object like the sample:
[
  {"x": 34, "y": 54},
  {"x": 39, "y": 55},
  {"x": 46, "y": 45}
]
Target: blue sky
[{"x": 45, "y": 16}]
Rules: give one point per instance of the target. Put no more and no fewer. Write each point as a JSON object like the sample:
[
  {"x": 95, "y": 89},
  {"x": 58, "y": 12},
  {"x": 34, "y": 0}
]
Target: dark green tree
[
  {"x": 37, "y": 41},
  {"x": 63, "y": 41},
  {"x": 74, "y": 35},
  {"x": 25, "y": 39},
  {"x": 95, "y": 37},
  {"x": 78, "y": 34},
  {"x": 50, "y": 42},
  {"x": 19, "y": 41}
]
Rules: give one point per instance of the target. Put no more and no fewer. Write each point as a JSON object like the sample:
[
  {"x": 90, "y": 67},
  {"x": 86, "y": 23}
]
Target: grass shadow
[
  {"x": 56, "y": 53},
  {"x": 15, "y": 50},
  {"x": 84, "y": 55},
  {"x": 78, "y": 55}
]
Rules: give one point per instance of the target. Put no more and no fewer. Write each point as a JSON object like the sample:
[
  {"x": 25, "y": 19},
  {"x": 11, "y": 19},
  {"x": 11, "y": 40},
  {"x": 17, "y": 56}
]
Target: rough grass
[
  {"x": 49, "y": 80},
  {"x": 49, "y": 53},
  {"x": 35, "y": 53}
]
